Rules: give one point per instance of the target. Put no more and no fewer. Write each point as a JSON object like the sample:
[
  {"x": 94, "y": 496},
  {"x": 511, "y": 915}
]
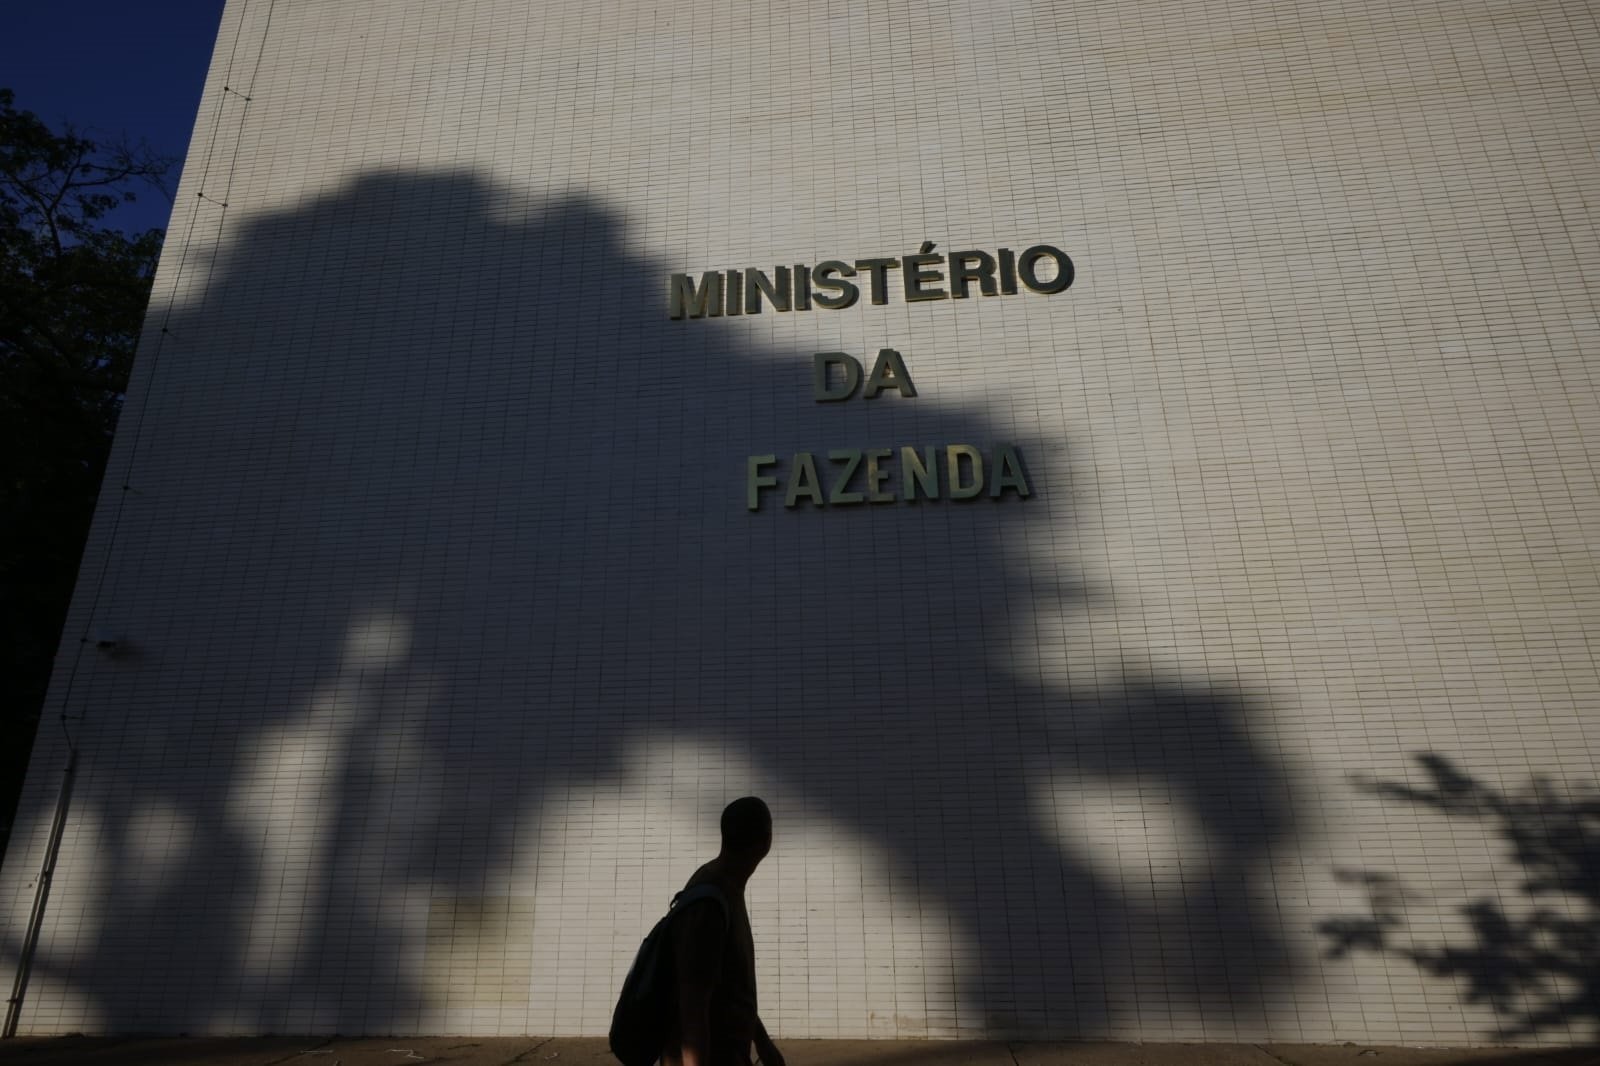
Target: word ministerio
[{"x": 924, "y": 276}]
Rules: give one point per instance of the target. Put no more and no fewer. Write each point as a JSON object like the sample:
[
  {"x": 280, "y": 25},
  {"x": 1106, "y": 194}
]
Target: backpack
[{"x": 649, "y": 997}]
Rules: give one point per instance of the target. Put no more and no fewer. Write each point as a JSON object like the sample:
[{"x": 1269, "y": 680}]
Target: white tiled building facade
[{"x": 444, "y": 631}]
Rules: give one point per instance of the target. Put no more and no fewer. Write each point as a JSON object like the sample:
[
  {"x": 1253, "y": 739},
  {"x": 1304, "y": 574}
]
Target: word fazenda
[
  {"x": 925, "y": 275},
  {"x": 870, "y": 475}
]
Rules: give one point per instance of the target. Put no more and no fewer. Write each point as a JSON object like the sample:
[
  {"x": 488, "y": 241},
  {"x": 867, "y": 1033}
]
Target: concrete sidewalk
[{"x": 568, "y": 1051}]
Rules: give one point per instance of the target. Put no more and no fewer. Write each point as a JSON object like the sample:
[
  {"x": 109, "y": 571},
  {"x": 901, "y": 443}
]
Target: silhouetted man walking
[{"x": 715, "y": 955}]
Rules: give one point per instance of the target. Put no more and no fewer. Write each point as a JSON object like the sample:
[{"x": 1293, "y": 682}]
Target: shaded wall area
[
  {"x": 439, "y": 521},
  {"x": 1530, "y": 949}
]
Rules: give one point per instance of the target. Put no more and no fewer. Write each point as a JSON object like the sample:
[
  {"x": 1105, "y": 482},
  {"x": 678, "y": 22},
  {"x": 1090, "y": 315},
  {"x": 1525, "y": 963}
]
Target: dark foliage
[
  {"x": 73, "y": 291},
  {"x": 1539, "y": 966}
]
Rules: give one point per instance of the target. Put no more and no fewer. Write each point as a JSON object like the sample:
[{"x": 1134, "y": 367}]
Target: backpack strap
[{"x": 696, "y": 893}]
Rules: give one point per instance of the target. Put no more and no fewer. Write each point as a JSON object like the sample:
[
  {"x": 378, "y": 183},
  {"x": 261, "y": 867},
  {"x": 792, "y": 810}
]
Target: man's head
[{"x": 747, "y": 830}]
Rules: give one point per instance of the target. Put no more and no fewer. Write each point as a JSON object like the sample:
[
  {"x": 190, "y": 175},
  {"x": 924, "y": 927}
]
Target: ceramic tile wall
[{"x": 447, "y": 631}]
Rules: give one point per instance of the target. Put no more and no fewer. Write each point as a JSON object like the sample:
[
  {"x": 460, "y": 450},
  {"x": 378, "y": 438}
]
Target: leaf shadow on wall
[
  {"x": 1536, "y": 961},
  {"x": 456, "y": 560}
]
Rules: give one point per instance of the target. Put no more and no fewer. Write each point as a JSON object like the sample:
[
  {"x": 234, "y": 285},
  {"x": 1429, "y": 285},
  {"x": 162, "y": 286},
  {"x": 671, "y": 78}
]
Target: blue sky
[{"x": 113, "y": 68}]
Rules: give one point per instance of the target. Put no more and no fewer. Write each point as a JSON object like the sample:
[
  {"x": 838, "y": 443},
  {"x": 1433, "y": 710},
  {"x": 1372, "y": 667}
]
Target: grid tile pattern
[{"x": 448, "y": 632}]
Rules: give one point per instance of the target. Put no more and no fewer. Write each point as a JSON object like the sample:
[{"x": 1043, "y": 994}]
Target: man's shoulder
[
  {"x": 702, "y": 902},
  {"x": 708, "y": 878},
  {"x": 709, "y": 873}
]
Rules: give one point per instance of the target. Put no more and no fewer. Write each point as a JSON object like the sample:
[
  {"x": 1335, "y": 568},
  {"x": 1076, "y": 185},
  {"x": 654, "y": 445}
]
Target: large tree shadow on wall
[
  {"x": 1536, "y": 962},
  {"x": 460, "y": 556}
]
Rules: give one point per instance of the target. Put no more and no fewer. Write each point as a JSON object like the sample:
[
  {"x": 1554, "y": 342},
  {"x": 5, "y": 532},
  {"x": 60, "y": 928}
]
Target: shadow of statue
[
  {"x": 1535, "y": 960},
  {"x": 439, "y": 517}
]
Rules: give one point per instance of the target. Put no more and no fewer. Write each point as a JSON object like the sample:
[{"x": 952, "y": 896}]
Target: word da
[{"x": 836, "y": 376}]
